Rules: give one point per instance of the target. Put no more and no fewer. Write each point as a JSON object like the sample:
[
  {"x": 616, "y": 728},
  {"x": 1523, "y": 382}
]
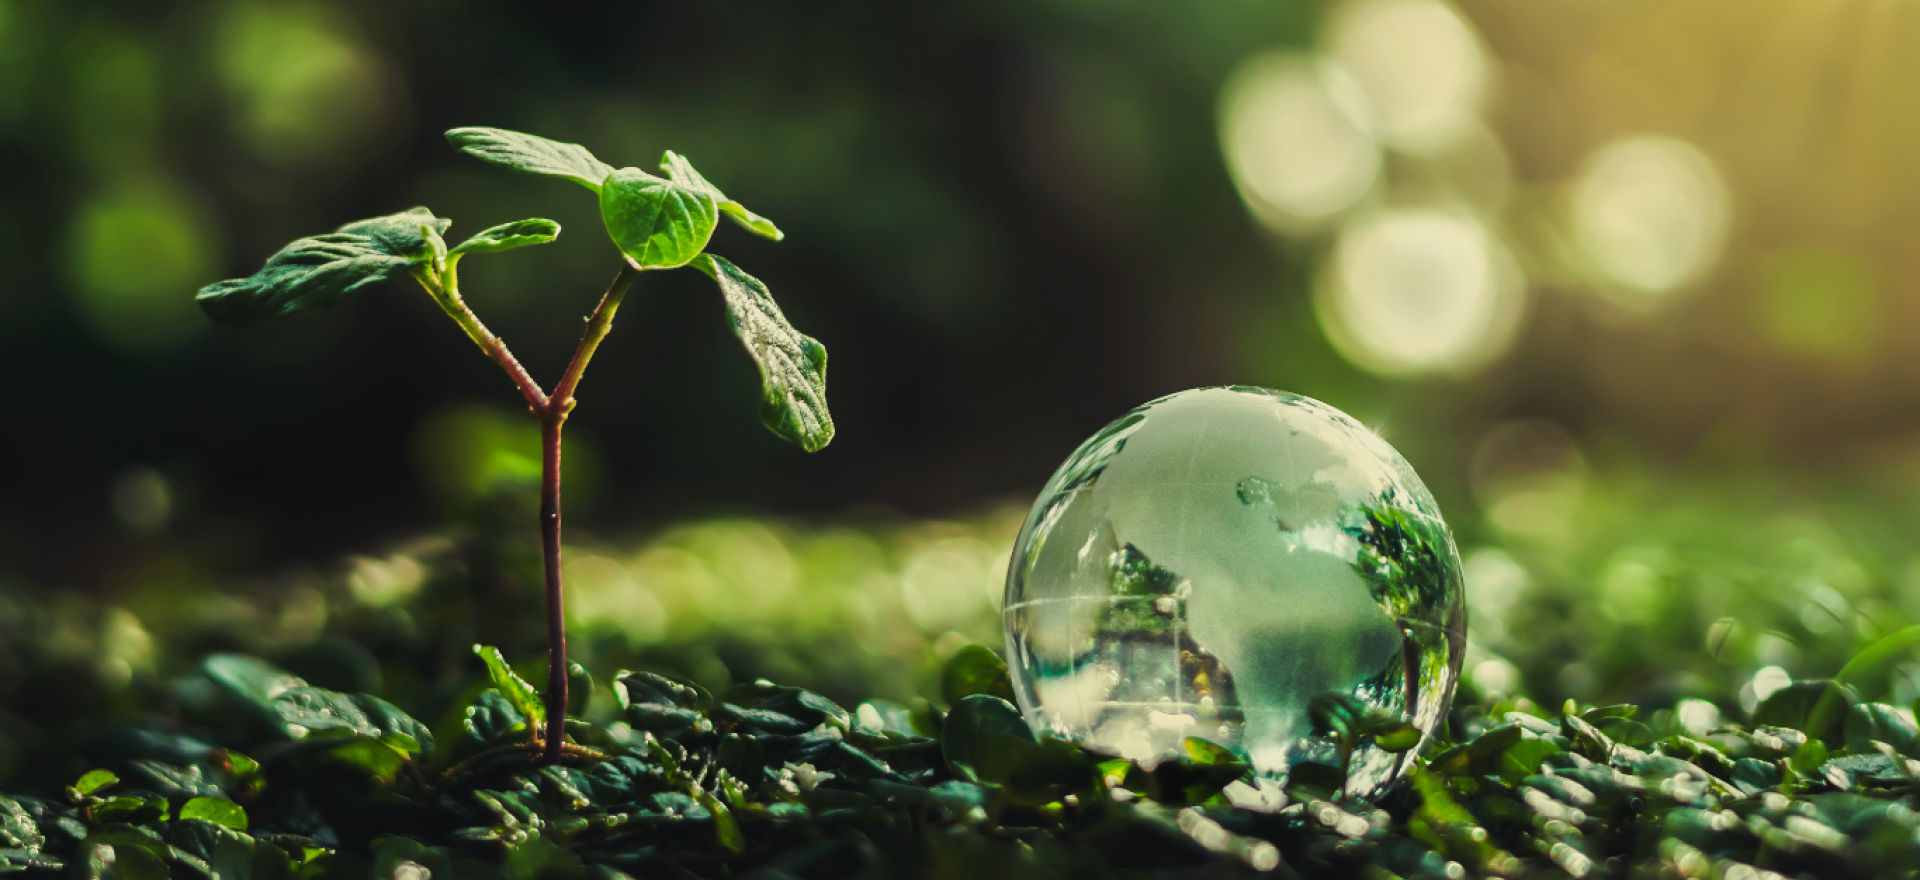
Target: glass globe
[{"x": 1217, "y": 558}]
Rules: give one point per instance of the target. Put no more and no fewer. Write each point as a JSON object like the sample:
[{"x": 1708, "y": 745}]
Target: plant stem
[
  {"x": 551, "y": 411},
  {"x": 597, "y": 328},
  {"x": 447, "y": 294},
  {"x": 550, "y": 545}
]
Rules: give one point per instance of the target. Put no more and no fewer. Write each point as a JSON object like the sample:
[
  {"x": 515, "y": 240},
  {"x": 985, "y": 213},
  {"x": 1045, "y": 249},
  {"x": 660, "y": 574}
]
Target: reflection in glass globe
[{"x": 1216, "y": 558}]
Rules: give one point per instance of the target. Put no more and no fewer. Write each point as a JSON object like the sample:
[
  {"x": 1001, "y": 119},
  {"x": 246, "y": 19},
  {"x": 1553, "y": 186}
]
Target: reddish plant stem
[
  {"x": 551, "y": 411},
  {"x": 556, "y": 616}
]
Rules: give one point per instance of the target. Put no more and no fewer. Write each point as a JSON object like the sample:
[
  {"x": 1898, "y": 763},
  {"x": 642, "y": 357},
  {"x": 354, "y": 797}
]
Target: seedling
[{"x": 655, "y": 222}]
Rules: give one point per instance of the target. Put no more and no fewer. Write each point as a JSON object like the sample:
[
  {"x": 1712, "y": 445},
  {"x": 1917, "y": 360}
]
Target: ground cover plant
[
  {"x": 771, "y": 781},
  {"x": 655, "y": 222},
  {"x": 1786, "y": 785}
]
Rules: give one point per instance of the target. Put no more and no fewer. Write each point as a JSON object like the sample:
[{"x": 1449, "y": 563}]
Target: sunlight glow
[
  {"x": 1651, "y": 214},
  {"x": 1298, "y": 138},
  {"x": 1420, "y": 290},
  {"x": 1420, "y": 65}
]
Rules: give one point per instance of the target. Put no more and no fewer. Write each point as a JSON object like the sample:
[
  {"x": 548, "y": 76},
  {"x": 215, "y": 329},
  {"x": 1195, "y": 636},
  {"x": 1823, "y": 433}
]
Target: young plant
[{"x": 655, "y": 222}]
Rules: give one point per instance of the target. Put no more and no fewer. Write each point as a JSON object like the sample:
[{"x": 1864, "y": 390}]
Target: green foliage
[
  {"x": 219, "y": 811},
  {"x": 657, "y": 223},
  {"x": 975, "y": 669},
  {"x": 783, "y": 782},
  {"x": 315, "y": 274},
  {"x": 793, "y": 367},
  {"x": 508, "y": 236},
  {"x": 682, "y": 173},
  {"x": 521, "y": 695},
  {"x": 537, "y": 155}
]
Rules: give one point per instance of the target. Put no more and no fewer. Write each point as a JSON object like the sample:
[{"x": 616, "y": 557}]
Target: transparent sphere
[{"x": 1215, "y": 559}]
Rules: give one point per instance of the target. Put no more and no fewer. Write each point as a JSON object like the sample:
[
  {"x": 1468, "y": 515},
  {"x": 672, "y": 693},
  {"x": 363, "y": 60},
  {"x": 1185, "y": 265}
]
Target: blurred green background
[{"x": 1624, "y": 280}]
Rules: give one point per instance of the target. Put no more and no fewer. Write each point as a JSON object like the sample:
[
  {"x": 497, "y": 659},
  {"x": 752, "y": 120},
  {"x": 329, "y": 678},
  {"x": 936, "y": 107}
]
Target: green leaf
[
  {"x": 1871, "y": 722},
  {"x": 1336, "y": 715},
  {"x": 219, "y": 811},
  {"x": 525, "y": 152},
  {"x": 975, "y": 669},
  {"x": 804, "y": 705},
  {"x": 378, "y": 757},
  {"x": 1597, "y": 746},
  {"x": 513, "y": 687},
  {"x": 983, "y": 737},
  {"x": 631, "y": 688},
  {"x": 1400, "y": 738},
  {"x": 317, "y": 709},
  {"x": 725, "y": 827},
  {"x": 657, "y": 223},
  {"x": 1818, "y": 707},
  {"x": 250, "y": 678},
  {"x": 1626, "y": 733},
  {"x": 1206, "y": 752},
  {"x": 579, "y": 689},
  {"x": 507, "y": 236},
  {"x": 314, "y": 274},
  {"x": 793, "y": 367},
  {"x": 93, "y": 781},
  {"x": 681, "y": 172},
  {"x": 1524, "y": 759},
  {"x": 492, "y": 719}
]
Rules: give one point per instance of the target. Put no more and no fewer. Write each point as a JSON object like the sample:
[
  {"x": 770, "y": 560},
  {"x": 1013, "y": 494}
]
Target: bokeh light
[
  {"x": 1821, "y": 303},
  {"x": 470, "y": 451},
  {"x": 142, "y": 499},
  {"x": 1651, "y": 214},
  {"x": 132, "y": 249},
  {"x": 1298, "y": 138},
  {"x": 603, "y": 596},
  {"x": 1529, "y": 478},
  {"x": 1418, "y": 290},
  {"x": 305, "y": 86},
  {"x": 1420, "y": 65}
]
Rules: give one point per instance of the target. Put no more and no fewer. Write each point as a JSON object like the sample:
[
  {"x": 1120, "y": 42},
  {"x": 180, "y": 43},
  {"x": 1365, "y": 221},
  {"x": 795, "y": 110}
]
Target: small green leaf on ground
[
  {"x": 1878, "y": 722},
  {"x": 975, "y": 669},
  {"x": 983, "y": 737},
  {"x": 513, "y": 687},
  {"x": 1398, "y": 738},
  {"x": 315, "y": 274},
  {"x": 657, "y": 223},
  {"x": 725, "y": 827},
  {"x": 363, "y": 714},
  {"x": 1819, "y": 707},
  {"x": 525, "y": 152},
  {"x": 507, "y": 236},
  {"x": 681, "y": 172},
  {"x": 219, "y": 811},
  {"x": 95, "y": 780},
  {"x": 793, "y": 366}
]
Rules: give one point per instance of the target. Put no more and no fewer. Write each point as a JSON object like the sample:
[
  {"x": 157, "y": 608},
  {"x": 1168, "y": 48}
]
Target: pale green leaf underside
[
  {"x": 793, "y": 366},
  {"x": 682, "y": 172},
  {"x": 525, "y": 152},
  {"x": 657, "y": 223},
  {"x": 314, "y": 274},
  {"x": 520, "y": 694},
  {"x": 508, "y": 236}
]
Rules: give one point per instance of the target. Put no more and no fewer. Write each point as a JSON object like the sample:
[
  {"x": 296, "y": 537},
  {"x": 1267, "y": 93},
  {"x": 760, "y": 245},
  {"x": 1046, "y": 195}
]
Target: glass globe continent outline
[{"x": 1209, "y": 562}]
